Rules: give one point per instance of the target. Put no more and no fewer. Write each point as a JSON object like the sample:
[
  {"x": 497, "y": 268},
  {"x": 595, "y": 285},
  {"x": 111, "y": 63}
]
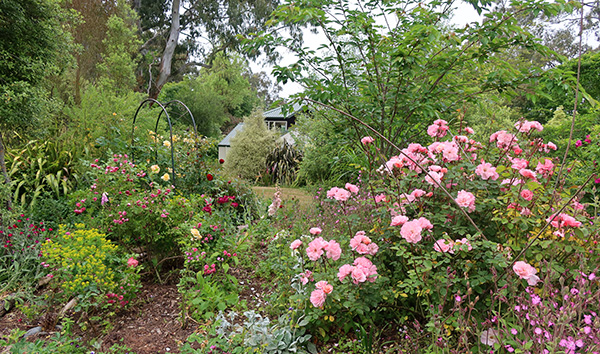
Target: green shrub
[{"x": 250, "y": 147}]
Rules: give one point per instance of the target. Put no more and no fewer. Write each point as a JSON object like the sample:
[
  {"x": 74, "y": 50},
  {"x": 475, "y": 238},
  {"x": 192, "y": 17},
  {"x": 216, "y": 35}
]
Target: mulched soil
[{"x": 152, "y": 325}]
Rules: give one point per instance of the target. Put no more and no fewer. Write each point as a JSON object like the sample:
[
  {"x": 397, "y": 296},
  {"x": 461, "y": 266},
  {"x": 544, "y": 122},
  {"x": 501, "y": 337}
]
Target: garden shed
[{"x": 274, "y": 118}]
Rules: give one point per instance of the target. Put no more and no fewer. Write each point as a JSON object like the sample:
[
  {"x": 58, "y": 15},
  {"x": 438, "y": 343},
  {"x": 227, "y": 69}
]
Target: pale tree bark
[{"x": 167, "y": 57}]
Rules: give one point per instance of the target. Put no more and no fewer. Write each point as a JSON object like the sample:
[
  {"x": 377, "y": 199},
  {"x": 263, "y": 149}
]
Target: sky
[{"x": 464, "y": 14}]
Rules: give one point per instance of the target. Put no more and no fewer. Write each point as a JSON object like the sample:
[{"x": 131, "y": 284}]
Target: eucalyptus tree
[{"x": 207, "y": 28}]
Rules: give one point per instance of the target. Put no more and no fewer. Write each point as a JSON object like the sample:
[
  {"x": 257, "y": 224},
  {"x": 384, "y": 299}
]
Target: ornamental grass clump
[{"x": 86, "y": 266}]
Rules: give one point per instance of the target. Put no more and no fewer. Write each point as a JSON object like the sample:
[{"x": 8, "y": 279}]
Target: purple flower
[{"x": 104, "y": 199}]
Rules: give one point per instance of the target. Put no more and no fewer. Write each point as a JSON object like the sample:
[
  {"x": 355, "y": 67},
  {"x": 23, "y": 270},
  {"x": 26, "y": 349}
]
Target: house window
[{"x": 277, "y": 125}]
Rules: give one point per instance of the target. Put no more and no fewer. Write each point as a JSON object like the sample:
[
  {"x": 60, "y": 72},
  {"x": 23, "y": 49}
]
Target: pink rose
[
  {"x": 443, "y": 245},
  {"x": 466, "y": 200},
  {"x": 315, "y": 248},
  {"x": 486, "y": 171},
  {"x": 334, "y": 251},
  {"x": 527, "y": 173},
  {"x": 325, "y": 286},
  {"x": 527, "y": 272},
  {"x": 317, "y": 298},
  {"x": 295, "y": 244},
  {"x": 527, "y": 194},
  {"x": 411, "y": 231},
  {"x": 339, "y": 194},
  {"x": 132, "y": 262},
  {"x": 399, "y": 220},
  {"x": 359, "y": 275},
  {"x": 367, "y": 140},
  {"x": 352, "y": 188},
  {"x": 344, "y": 271},
  {"x": 380, "y": 198},
  {"x": 315, "y": 230},
  {"x": 425, "y": 223}
]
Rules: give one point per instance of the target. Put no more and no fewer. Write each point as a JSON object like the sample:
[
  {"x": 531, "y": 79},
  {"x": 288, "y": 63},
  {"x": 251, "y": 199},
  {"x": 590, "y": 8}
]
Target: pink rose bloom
[
  {"x": 545, "y": 169},
  {"x": 367, "y": 140},
  {"x": 425, "y": 224},
  {"x": 527, "y": 272},
  {"x": 352, "y": 188},
  {"x": 443, "y": 246},
  {"x": 295, "y": 244},
  {"x": 551, "y": 146},
  {"x": 334, "y": 251},
  {"x": 527, "y": 194},
  {"x": 365, "y": 266},
  {"x": 469, "y": 130},
  {"x": 372, "y": 249},
  {"x": 417, "y": 193},
  {"x": 411, "y": 231},
  {"x": 315, "y": 248},
  {"x": 399, "y": 220},
  {"x": 463, "y": 241},
  {"x": 525, "y": 211},
  {"x": 359, "y": 275},
  {"x": 570, "y": 221},
  {"x": 317, "y": 298},
  {"x": 306, "y": 277},
  {"x": 315, "y": 230},
  {"x": 344, "y": 271},
  {"x": 331, "y": 192},
  {"x": 466, "y": 200},
  {"x": 485, "y": 170},
  {"x": 519, "y": 164},
  {"x": 528, "y": 174},
  {"x": 325, "y": 286},
  {"x": 341, "y": 195},
  {"x": 433, "y": 177},
  {"x": 380, "y": 198},
  {"x": 132, "y": 262}
]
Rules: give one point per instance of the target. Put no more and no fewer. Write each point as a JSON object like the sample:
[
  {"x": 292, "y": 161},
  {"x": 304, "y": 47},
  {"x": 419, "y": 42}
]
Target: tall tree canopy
[
  {"x": 31, "y": 38},
  {"x": 208, "y": 27}
]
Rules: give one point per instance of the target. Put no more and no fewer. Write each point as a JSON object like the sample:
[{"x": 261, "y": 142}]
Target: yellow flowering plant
[{"x": 86, "y": 266}]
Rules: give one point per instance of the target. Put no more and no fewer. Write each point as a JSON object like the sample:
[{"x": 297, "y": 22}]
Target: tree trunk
[
  {"x": 3, "y": 168},
  {"x": 167, "y": 57}
]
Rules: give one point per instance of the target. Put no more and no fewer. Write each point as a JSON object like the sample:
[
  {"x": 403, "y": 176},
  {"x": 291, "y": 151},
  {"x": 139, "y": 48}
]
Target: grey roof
[
  {"x": 275, "y": 113},
  {"x": 227, "y": 140}
]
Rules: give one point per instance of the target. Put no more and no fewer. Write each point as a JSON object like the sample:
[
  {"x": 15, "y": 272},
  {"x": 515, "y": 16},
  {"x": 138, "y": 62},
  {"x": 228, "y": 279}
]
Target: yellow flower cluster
[{"x": 82, "y": 258}]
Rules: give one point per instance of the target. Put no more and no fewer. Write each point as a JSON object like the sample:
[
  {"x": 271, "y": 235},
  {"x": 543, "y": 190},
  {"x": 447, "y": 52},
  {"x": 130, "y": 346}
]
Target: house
[{"x": 274, "y": 119}]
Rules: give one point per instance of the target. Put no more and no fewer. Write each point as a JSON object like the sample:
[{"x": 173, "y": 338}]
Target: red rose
[
  {"x": 221, "y": 160},
  {"x": 209, "y": 177}
]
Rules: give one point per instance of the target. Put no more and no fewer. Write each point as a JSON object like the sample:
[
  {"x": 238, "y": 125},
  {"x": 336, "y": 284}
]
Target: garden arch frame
[{"x": 150, "y": 102}]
